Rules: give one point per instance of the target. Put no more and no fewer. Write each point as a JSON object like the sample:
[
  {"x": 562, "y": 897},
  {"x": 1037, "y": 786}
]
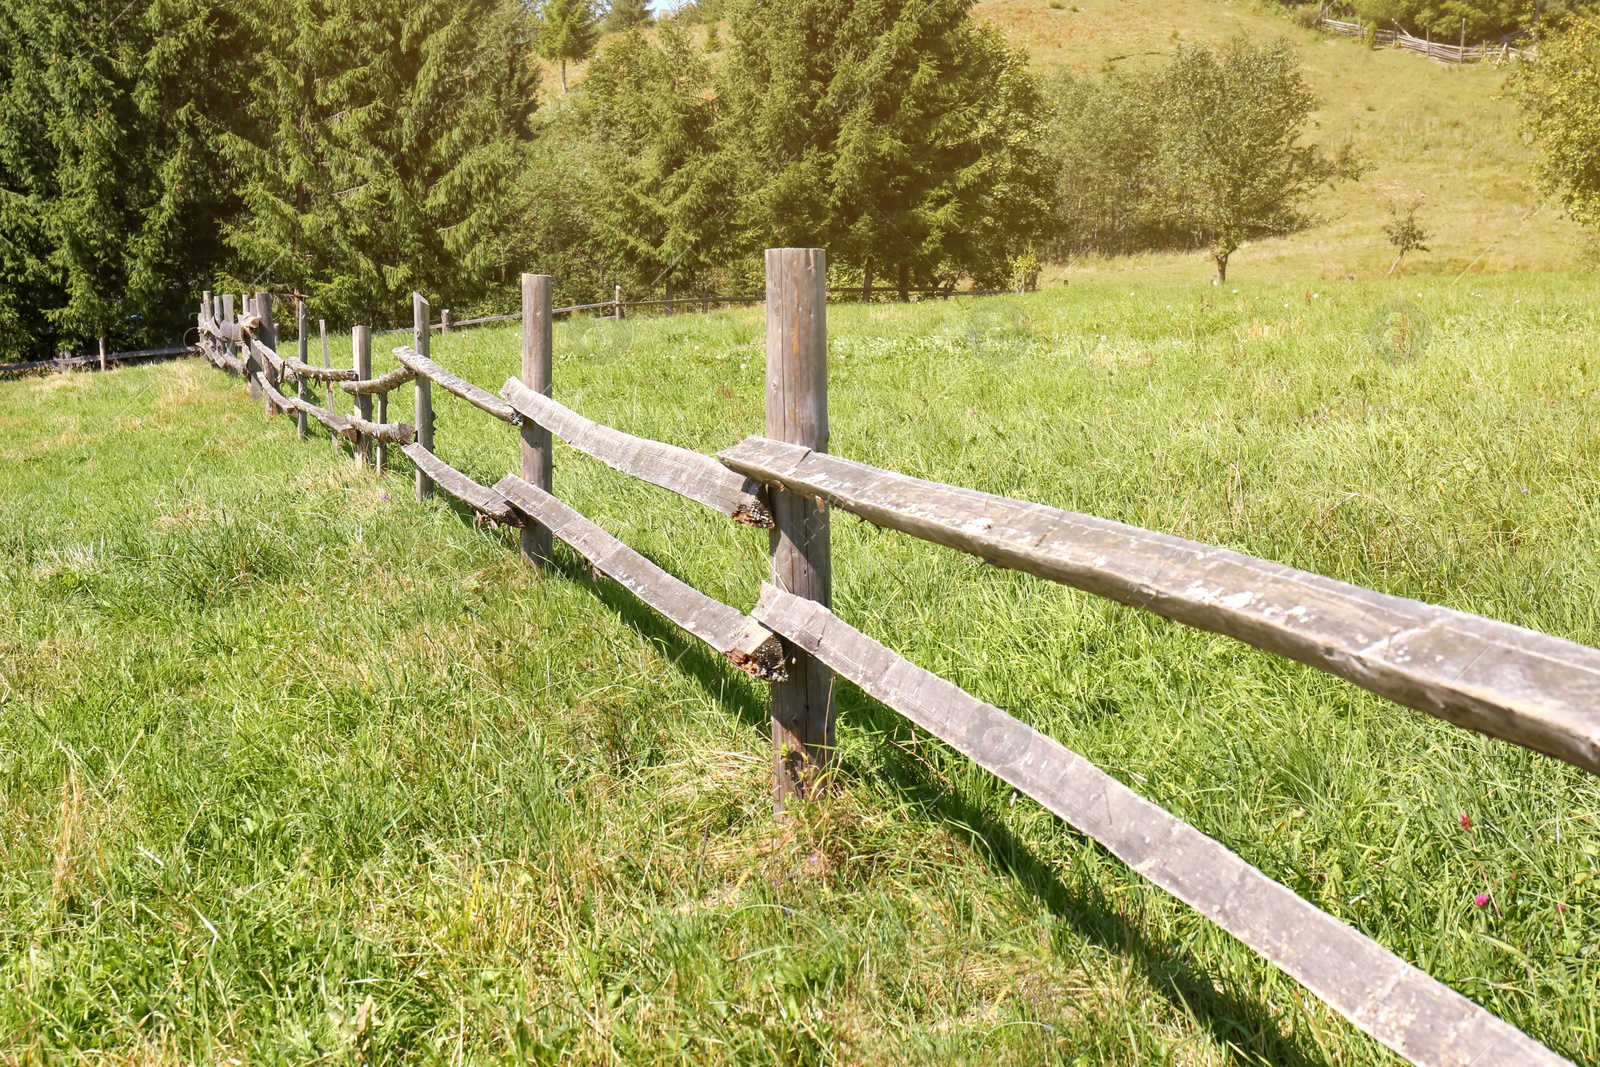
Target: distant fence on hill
[
  {"x": 1500, "y": 50},
  {"x": 1525, "y": 687}
]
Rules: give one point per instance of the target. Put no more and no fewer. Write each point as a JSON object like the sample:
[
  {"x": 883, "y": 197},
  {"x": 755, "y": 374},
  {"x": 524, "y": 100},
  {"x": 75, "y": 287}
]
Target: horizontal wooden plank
[
  {"x": 220, "y": 359},
  {"x": 326, "y": 374},
  {"x": 747, "y": 644},
  {"x": 690, "y": 474},
  {"x": 390, "y": 433},
  {"x": 267, "y": 354},
  {"x": 479, "y": 498},
  {"x": 1508, "y": 682},
  {"x": 381, "y": 384},
  {"x": 1403, "y": 1007},
  {"x": 481, "y": 399},
  {"x": 335, "y": 423}
]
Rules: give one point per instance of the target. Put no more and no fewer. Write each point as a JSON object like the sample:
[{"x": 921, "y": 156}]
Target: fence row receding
[
  {"x": 1500, "y": 50},
  {"x": 1525, "y": 687}
]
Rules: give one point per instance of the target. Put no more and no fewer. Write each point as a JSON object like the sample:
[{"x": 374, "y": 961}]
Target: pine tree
[
  {"x": 900, "y": 136},
  {"x": 396, "y": 135},
  {"x": 625, "y": 15},
  {"x": 566, "y": 31}
]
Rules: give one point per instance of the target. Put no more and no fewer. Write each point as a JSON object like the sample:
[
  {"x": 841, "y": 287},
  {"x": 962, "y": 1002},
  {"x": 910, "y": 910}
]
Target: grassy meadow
[{"x": 296, "y": 769}]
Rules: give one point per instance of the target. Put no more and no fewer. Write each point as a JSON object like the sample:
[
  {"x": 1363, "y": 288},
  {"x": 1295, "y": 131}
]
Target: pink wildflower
[
  {"x": 1481, "y": 900},
  {"x": 1466, "y": 822}
]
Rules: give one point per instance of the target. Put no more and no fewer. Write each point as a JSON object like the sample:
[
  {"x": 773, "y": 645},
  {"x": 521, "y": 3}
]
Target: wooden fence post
[
  {"x": 268, "y": 335},
  {"x": 102, "y": 353},
  {"x": 672, "y": 300},
  {"x": 537, "y": 452},
  {"x": 616, "y": 304},
  {"x": 322, "y": 328},
  {"x": 419, "y": 331},
  {"x": 444, "y": 321},
  {"x": 797, "y": 412},
  {"x": 361, "y": 349},
  {"x": 303, "y": 349}
]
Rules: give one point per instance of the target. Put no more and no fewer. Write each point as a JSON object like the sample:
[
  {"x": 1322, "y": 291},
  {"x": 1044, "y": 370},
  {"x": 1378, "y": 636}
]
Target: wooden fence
[
  {"x": 1525, "y": 687},
  {"x": 1443, "y": 51}
]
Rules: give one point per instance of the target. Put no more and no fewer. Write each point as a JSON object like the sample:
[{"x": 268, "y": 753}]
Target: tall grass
[{"x": 293, "y": 767}]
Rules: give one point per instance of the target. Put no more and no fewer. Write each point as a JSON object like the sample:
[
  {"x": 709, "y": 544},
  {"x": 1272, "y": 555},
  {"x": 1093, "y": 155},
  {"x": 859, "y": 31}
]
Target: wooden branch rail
[
  {"x": 267, "y": 354},
  {"x": 390, "y": 433},
  {"x": 1399, "y": 1005},
  {"x": 335, "y": 423},
  {"x": 747, "y": 644},
  {"x": 481, "y": 399},
  {"x": 220, "y": 359},
  {"x": 300, "y": 369},
  {"x": 480, "y": 498},
  {"x": 689, "y": 474},
  {"x": 1519, "y": 685},
  {"x": 382, "y": 384}
]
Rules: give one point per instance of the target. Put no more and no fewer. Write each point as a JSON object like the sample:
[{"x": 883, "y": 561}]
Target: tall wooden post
[
  {"x": 537, "y": 342},
  {"x": 361, "y": 351},
  {"x": 205, "y": 310},
  {"x": 616, "y": 304},
  {"x": 267, "y": 335},
  {"x": 322, "y": 328},
  {"x": 672, "y": 299},
  {"x": 797, "y": 412},
  {"x": 419, "y": 331},
  {"x": 102, "y": 353},
  {"x": 444, "y": 321},
  {"x": 302, "y": 349}
]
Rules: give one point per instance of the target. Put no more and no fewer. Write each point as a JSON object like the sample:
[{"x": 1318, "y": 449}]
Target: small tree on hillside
[
  {"x": 626, "y": 14},
  {"x": 1404, "y": 231},
  {"x": 566, "y": 31},
  {"x": 1228, "y": 166},
  {"x": 1560, "y": 96}
]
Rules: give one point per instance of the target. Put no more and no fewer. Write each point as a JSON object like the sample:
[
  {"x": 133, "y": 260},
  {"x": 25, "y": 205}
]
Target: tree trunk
[
  {"x": 1221, "y": 259},
  {"x": 1395, "y": 265},
  {"x": 905, "y": 284}
]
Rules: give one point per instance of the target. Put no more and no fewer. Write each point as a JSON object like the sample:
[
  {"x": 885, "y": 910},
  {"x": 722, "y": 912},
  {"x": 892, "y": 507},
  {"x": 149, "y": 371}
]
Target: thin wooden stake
[
  {"x": 444, "y": 321},
  {"x": 102, "y": 353},
  {"x": 327, "y": 362},
  {"x": 303, "y": 347},
  {"x": 616, "y": 304},
  {"x": 537, "y": 448},
  {"x": 419, "y": 330},
  {"x": 797, "y": 412},
  {"x": 361, "y": 351}
]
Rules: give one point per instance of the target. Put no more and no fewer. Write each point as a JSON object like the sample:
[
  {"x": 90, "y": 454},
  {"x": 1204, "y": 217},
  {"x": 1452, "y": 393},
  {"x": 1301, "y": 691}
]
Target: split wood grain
[
  {"x": 690, "y": 474},
  {"x": 479, "y": 398},
  {"x": 1401, "y": 1006},
  {"x": 382, "y": 384},
  {"x": 480, "y": 498},
  {"x": 336, "y": 424},
  {"x": 1519, "y": 685},
  {"x": 748, "y": 645},
  {"x": 389, "y": 433}
]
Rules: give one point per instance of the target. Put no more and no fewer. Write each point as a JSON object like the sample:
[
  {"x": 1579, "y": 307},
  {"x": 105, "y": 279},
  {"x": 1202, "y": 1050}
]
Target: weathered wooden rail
[{"x": 1518, "y": 685}]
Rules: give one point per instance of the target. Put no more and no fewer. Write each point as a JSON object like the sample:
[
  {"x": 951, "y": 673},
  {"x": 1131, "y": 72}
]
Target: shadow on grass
[{"x": 1241, "y": 1024}]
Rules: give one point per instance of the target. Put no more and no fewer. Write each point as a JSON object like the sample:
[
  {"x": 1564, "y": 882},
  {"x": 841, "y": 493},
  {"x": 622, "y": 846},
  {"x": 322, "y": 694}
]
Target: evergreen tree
[
  {"x": 108, "y": 189},
  {"x": 397, "y": 131},
  {"x": 658, "y": 200},
  {"x": 626, "y": 15},
  {"x": 900, "y": 136},
  {"x": 566, "y": 31}
]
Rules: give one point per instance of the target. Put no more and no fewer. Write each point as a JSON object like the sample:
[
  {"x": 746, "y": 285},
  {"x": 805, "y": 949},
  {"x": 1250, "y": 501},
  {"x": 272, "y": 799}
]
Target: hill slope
[{"x": 1446, "y": 131}]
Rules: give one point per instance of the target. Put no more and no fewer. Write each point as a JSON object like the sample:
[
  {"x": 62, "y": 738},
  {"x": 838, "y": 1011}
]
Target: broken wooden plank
[
  {"x": 689, "y": 474},
  {"x": 481, "y": 399},
  {"x": 1401, "y": 1006},
  {"x": 479, "y": 498},
  {"x": 382, "y": 384},
  {"x": 1516, "y": 684},
  {"x": 748, "y": 645},
  {"x": 301, "y": 369}
]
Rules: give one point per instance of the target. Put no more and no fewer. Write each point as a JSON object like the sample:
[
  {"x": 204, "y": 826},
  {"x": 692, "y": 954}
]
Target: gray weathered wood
[
  {"x": 690, "y": 474},
  {"x": 536, "y": 447},
  {"x": 390, "y": 433},
  {"x": 327, "y": 364},
  {"x": 383, "y": 446},
  {"x": 361, "y": 352},
  {"x": 1404, "y": 1008},
  {"x": 336, "y": 424},
  {"x": 424, "y": 394},
  {"x": 268, "y": 356},
  {"x": 480, "y": 498},
  {"x": 1519, "y": 685},
  {"x": 802, "y": 708},
  {"x": 219, "y": 358},
  {"x": 302, "y": 350},
  {"x": 481, "y": 399},
  {"x": 102, "y": 353},
  {"x": 267, "y": 337},
  {"x": 301, "y": 369},
  {"x": 748, "y": 645},
  {"x": 381, "y": 384}
]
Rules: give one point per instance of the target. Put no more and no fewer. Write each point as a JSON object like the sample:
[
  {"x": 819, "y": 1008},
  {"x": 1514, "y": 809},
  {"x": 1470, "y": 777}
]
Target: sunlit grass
[{"x": 276, "y": 739}]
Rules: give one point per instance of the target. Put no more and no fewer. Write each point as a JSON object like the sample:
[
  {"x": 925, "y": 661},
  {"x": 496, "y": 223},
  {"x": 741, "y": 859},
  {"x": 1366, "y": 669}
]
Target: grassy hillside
[
  {"x": 292, "y": 766},
  {"x": 1444, "y": 131}
]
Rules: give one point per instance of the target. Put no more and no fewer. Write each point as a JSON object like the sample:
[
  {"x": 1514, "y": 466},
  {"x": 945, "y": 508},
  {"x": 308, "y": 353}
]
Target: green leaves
[{"x": 1560, "y": 95}]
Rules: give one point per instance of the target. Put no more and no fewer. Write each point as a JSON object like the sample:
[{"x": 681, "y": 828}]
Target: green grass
[{"x": 294, "y": 768}]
